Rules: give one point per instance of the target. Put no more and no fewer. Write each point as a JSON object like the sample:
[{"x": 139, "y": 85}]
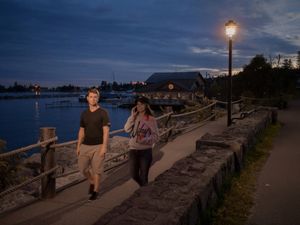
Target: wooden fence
[{"x": 169, "y": 124}]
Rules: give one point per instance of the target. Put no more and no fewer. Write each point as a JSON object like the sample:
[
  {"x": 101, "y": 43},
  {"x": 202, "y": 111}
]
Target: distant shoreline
[{"x": 48, "y": 95}]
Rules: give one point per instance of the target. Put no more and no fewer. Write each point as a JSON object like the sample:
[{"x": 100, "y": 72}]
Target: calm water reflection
[{"x": 20, "y": 120}]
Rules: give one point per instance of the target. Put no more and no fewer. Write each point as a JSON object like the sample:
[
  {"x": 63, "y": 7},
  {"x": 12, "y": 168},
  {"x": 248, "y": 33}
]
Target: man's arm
[
  {"x": 105, "y": 141},
  {"x": 80, "y": 139}
]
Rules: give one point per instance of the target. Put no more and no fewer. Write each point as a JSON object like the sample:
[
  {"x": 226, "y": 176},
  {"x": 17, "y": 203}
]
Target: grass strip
[{"x": 234, "y": 207}]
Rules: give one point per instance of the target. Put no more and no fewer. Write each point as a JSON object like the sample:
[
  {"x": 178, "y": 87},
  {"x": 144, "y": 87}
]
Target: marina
[{"x": 21, "y": 119}]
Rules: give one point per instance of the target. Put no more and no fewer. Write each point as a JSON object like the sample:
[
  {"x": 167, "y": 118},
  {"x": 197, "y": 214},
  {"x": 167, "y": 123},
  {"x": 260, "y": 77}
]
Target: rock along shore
[{"x": 67, "y": 159}]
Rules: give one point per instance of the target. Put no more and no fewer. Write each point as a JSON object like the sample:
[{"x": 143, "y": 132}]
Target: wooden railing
[{"x": 168, "y": 124}]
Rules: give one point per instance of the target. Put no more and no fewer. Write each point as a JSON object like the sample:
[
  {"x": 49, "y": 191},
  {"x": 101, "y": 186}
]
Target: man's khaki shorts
[{"x": 89, "y": 158}]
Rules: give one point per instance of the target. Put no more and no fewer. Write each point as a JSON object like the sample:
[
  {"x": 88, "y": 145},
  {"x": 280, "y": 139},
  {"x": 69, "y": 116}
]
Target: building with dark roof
[{"x": 180, "y": 86}]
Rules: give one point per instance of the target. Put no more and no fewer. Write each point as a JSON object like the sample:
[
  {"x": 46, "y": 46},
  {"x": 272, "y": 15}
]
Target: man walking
[{"x": 92, "y": 144}]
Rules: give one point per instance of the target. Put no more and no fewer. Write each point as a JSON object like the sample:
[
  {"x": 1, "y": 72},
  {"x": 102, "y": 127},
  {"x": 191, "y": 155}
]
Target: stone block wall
[{"x": 183, "y": 194}]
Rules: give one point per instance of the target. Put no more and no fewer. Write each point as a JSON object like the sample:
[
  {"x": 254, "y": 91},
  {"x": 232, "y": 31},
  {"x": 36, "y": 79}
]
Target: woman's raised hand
[{"x": 134, "y": 111}]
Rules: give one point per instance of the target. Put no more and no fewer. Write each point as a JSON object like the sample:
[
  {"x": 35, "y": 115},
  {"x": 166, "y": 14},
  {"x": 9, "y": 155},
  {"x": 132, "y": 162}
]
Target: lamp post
[{"x": 230, "y": 30}]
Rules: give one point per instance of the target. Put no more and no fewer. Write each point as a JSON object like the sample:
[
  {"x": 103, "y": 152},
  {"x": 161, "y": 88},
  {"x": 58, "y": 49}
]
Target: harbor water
[{"x": 21, "y": 119}]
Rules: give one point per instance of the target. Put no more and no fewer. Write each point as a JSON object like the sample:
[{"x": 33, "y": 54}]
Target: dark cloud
[{"x": 85, "y": 41}]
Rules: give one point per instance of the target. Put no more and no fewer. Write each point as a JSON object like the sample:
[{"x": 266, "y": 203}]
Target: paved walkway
[
  {"x": 278, "y": 193},
  {"x": 70, "y": 207}
]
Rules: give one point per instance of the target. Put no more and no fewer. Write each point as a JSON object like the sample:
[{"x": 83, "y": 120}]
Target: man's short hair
[{"x": 93, "y": 90}]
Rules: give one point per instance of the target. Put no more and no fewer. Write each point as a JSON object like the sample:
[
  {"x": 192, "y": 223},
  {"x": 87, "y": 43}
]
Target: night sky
[{"x": 83, "y": 42}]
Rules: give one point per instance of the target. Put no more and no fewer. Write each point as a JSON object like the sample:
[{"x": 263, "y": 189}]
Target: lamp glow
[{"x": 230, "y": 28}]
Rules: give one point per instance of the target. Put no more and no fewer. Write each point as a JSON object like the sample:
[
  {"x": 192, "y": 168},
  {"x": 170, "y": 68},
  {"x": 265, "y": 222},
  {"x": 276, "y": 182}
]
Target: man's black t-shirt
[{"x": 93, "y": 122}]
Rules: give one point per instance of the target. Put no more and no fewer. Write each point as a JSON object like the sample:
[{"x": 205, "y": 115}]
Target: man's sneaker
[
  {"x": 94, "y": 196},
  {"x": 91, "y": 189}
]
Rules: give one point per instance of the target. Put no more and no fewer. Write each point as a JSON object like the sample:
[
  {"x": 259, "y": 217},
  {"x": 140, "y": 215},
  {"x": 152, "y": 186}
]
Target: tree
[
  {"x": 104, "y": 86},
  {"x": 256, "y": 78},
  {"x": 18, "y": 88},
  {"x": 68, "y": 88},
  {"x": 278, "y": 60},
  {"x": 298, "y": 60},
  {"x": 263, "y": 81},
  {"x": 287, "y": 64},
  {"x": 258, "y": 63},
  {"x": 2, "y": 88},
  {"x": 115, "y": 86}
]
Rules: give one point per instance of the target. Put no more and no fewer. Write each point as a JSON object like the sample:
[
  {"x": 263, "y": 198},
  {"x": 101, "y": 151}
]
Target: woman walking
[{"x": 143, "y": 131}]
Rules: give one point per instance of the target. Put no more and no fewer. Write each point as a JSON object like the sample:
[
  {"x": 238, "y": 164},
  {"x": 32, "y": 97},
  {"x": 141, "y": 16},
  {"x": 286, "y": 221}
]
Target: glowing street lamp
[{"x": 230, "y": 30}]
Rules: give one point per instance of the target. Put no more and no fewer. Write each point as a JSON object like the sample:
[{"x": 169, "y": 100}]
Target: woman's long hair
[
  {"x": 145, "y": 101},
  {"x": 148, "y": 111}
]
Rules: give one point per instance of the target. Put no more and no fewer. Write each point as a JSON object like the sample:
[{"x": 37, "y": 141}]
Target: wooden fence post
[
  {"x": 213, "y": 110},
  {"x": 167, "y": 127},
  {"x": 47, "y": 163}
]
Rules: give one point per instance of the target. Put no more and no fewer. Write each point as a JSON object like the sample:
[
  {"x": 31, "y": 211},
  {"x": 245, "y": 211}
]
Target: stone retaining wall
[{"x": 187, "y": 191}]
